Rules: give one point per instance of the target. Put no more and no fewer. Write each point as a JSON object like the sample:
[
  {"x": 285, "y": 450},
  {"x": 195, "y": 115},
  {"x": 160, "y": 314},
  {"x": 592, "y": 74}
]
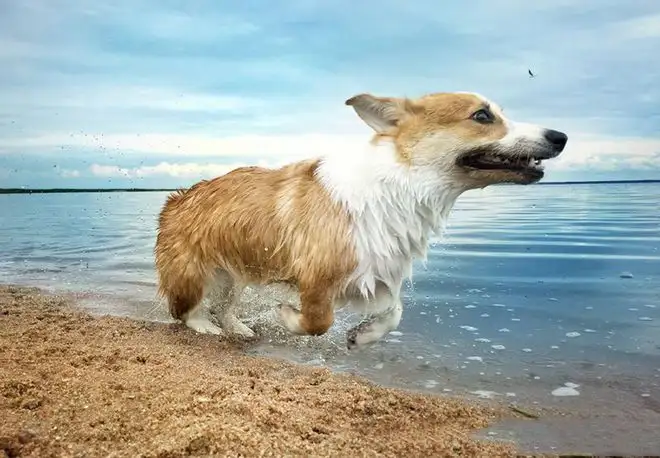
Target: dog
[{"x": 342, "y": 229}]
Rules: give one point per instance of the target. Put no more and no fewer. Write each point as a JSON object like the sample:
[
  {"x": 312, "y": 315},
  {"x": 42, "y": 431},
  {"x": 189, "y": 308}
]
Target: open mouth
[{"x": 526, "y": 164}]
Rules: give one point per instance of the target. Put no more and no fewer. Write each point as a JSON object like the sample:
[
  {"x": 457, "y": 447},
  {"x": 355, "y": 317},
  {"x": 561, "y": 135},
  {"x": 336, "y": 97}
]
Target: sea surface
[{"x": 547, "y": 297}]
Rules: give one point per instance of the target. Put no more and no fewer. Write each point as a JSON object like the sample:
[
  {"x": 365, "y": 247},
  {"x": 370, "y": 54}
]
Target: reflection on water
[{"x": 532, "y": 288}]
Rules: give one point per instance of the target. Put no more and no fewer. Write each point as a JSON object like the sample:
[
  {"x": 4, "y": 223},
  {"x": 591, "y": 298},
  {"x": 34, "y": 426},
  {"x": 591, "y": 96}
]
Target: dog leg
[
  {"x": 198, "y": 320},
  {"x": 225, "y": 296},
  {"x": 185, "y": 294},
  {"x": 375, "y": 326},
  {"x": 316, "y": 314},
  {"x": 230, "y": 322}
]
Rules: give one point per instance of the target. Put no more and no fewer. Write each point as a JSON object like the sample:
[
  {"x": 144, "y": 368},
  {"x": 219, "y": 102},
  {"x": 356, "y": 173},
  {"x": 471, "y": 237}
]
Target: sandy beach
[{"x": 76, "y": 385}]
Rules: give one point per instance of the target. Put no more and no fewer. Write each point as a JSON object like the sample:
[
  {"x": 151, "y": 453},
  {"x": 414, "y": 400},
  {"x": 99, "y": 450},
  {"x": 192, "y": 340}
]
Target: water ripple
[{"x": 556, "y": 276}]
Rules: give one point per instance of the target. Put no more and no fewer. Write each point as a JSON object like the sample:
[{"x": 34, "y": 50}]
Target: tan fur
[
  {"x": 411, "y": 120},
  {"x": 260, "y": 226}
]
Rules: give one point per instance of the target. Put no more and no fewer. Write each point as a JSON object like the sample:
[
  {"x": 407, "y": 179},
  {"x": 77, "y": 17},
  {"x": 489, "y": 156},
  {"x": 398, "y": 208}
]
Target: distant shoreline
[
  {"x": 599, "y": 182},
  {"x": 83, "y": 190},
  {"x": 70, "y": 190}
]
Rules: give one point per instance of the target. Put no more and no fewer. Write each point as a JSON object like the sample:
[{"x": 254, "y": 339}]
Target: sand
[{"x": 76, "y": 385}]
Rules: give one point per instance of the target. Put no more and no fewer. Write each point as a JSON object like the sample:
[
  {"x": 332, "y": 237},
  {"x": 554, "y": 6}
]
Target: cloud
[
  {"x": 119, "y": 83},
  {"x": 279, "y": 147},
  {"x": 66, "y": 173},
  {"x": 584, "y": 149},
  {"x": 609, "y": 153},
  {"x": 167, "y": 26},
  {"x": 178, "y": 170},
  {"x": 639, "y": 27},
  {"x": 130, "y": 97}
]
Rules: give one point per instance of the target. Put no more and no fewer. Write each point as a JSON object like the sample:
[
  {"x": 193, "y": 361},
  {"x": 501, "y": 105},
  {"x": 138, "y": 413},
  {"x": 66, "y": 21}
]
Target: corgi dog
[{"x": 342, "y": 229}]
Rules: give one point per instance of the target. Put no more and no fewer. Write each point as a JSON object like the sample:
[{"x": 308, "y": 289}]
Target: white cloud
[
  {"x": 583, "y": 151},
  {"x": 608, "y": 153},
  {"x": 66, "y": 173},
  {"x": 17, "y": 49},
  {"x": 177, "y": 170},
  {"x": 174, "y": 25},
  {"x": 639, "y": 28},
  {"x": 270, "y": 146},
  {"x": 127, "y": 97}
]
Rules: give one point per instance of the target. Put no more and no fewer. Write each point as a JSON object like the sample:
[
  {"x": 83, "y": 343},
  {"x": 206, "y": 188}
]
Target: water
[{"x": 532, "y": 288}]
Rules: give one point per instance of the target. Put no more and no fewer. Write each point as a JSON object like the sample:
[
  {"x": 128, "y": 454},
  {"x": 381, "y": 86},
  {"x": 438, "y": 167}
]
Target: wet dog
[{"x": 342, "y": 229}]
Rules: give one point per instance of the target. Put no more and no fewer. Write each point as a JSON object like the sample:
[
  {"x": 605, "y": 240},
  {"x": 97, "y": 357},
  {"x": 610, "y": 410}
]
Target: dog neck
[{"x": 395, "y": 209}]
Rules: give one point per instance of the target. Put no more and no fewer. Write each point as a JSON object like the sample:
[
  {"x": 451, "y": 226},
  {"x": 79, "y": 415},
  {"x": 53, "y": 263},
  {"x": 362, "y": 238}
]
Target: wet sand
[{"x": 76, "y": 385}]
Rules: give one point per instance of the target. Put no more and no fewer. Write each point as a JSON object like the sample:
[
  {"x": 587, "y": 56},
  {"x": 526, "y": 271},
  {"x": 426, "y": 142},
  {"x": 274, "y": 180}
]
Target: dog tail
[
  {"x": 179, "y": 281},
  {"x": 181, "y": 273},
  {"x": 183, "y": 297}
]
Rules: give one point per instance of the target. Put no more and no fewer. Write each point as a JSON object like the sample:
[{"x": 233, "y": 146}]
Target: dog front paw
[
  {"x": 290, "y": 318},
  {"x": 351, "y": 338},
  {"x": 361, "y": 334}
]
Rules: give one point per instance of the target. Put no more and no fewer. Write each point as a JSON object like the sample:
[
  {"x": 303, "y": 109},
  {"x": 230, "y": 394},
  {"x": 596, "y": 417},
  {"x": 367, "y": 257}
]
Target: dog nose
[{"x": 556, "y": 139}]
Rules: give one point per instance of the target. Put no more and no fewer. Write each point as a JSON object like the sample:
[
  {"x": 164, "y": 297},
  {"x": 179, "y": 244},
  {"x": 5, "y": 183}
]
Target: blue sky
[{"x": 163, "y": 93}]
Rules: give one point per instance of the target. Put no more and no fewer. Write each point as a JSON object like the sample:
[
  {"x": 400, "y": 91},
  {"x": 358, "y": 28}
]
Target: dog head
[{"x": 463, "y": 136}]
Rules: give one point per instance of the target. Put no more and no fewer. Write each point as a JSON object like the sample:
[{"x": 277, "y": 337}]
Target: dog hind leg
[
  {"x": 224, "y": 295},
  {"x": 184, "y": 293},
  {"x": 199, "y": 321}
]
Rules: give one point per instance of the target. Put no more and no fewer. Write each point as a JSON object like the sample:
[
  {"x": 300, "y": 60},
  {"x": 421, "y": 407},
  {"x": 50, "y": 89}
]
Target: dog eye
[{"x": 482, "y": 116}]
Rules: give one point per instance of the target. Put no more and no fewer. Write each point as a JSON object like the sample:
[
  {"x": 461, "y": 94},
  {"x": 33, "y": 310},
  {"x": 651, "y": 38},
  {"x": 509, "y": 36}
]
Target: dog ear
[{"x": 380, "y": 113}]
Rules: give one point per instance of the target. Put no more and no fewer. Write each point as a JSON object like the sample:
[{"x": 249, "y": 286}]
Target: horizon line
[{"x": 25, "y": 190}]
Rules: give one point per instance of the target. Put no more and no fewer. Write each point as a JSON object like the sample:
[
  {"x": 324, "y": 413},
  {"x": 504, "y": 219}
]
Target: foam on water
[
  {"x": 569, "y": 389},
  {"x": 485, "y": 394}
]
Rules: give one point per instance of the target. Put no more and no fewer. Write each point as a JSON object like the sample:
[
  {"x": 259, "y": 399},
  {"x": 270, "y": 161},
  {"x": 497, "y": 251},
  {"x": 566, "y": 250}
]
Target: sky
[{"x": 163, "y": 93}]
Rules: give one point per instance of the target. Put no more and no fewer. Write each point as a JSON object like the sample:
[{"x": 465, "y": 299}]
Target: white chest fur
[{"x": 395, "y": 210}]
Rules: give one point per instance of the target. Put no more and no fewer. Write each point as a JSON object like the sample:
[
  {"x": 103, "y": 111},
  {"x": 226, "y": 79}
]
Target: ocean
[{"x": 537, "y": 295}]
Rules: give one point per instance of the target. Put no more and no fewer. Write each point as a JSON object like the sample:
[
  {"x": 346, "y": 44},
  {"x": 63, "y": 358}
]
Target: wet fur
[{"x": 342, "y": 229}]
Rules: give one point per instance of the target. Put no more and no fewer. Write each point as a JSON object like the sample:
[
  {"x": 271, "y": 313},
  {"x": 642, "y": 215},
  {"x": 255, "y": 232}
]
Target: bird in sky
[{"x": 531, "y": 75}]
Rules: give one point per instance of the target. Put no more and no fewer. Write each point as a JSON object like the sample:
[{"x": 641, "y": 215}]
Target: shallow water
[{"x": 531, "y": 288}]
